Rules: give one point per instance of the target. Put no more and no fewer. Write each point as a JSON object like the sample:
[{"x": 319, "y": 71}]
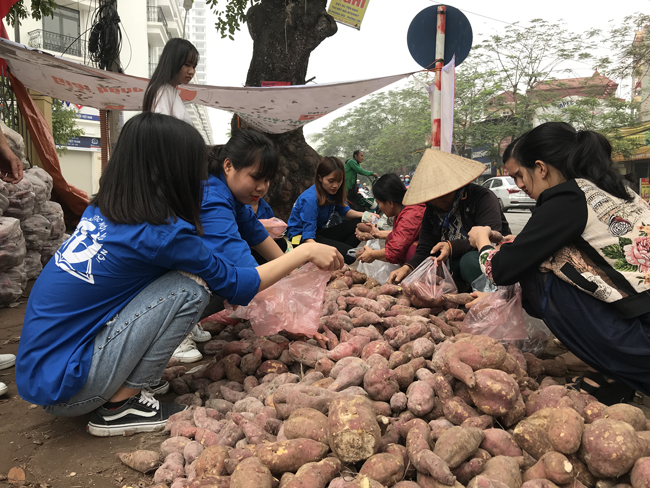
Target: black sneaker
[
  {"x": 141, "y": 413},
  {"x": 161, "y": 388}
]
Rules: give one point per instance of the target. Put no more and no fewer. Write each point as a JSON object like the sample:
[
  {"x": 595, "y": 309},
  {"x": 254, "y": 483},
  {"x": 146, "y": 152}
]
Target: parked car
[{"x": 509, "y": 195}]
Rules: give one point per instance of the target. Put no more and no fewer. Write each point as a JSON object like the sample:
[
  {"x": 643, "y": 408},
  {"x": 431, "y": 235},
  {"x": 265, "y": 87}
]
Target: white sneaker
[
  {"x": 200, "y": 335},
  {"x": 187, "y": 352},
  {"x": 3, "y": 389},
  {"x": 7, "y": 361}
]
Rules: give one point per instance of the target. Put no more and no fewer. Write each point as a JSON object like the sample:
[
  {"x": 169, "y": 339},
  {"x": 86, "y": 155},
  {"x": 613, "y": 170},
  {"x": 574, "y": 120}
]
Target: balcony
[
  {"x": 156, "y": 14},
  {"x": 53, "y": 41}
]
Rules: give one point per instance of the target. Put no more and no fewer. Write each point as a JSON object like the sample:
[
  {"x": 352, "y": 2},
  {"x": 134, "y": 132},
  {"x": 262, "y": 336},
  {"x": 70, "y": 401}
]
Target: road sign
[{"x": 421, "y": 37}]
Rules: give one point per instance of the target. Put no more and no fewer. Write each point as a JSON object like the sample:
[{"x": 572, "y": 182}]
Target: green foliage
[
  {"x": 232, "y": 16},
  {"x": 38, "y": 10},
  {"x": 391, "y": 128},
  {"x": 63, "y": 125}
]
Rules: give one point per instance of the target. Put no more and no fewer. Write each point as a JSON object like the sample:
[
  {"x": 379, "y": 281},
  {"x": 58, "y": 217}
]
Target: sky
[{"x": 380, "y": 49}]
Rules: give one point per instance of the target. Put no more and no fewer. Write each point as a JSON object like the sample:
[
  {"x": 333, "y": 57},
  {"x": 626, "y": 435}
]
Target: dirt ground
[{"x": 57, "y": 452}]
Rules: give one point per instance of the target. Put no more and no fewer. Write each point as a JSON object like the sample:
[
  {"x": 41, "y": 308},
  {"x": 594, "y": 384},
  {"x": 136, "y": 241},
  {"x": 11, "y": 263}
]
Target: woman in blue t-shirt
[
  {"x": 314, "y": 208},
  {"x": 108, "y": 310}
]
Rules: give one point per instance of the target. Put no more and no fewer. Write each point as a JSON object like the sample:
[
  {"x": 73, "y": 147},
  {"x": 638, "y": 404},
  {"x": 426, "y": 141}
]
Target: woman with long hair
[
  {"x": 176, "y": 66},
  {"x": 107, "y": 312},
  {"x": 583, "y": 258},
  {"x": 315, "y": 206}
]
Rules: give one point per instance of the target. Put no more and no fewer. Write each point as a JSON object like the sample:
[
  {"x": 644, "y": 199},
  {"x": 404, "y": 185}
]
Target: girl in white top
[{"x": 177, "y": 65}]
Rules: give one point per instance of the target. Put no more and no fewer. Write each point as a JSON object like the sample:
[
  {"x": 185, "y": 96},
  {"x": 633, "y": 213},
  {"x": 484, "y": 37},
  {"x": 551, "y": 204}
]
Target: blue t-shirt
[
  {"x": 307, "y": 217},
  {"x": 94, "y": 274},
  {"x": 264, "y": 210},
  {"x": 230, "y": 228}
]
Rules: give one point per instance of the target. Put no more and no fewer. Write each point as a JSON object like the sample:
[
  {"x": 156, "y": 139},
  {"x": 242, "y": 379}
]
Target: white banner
[
  {"x": 271, "y": 109},
  {"x": 447, "y": 89}
]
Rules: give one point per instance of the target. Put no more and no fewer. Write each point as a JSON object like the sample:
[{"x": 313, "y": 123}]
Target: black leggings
[
  {"x": 342, "y": 237},
  {"x": 282, "y": 244}
]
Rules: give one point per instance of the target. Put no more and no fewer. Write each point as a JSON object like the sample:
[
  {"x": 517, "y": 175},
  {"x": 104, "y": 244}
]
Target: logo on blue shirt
[{"x": 76, "y": 254}]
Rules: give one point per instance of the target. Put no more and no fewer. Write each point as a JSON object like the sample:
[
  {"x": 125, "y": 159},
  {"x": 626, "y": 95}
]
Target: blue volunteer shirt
[
  {"x": 307, "y": 217},
  {"x": 94, "y": 274},
  {"x": 264, "y": 210},
  {"x": 230, "y": 228}
]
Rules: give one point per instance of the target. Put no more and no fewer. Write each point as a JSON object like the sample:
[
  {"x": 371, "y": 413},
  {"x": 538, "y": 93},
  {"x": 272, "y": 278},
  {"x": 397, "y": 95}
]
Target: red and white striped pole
[{"x": 437, "y": 69}]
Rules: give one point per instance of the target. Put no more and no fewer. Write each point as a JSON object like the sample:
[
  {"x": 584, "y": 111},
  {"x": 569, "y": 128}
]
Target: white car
[{"x": 509, "y": 195}]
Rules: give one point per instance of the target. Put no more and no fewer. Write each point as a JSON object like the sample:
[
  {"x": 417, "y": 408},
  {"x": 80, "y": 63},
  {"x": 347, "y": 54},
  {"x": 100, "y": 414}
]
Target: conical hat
[{"x": 440, "y": 173}]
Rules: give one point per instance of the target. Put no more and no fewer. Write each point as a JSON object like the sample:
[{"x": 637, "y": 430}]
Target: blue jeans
[{"x": 134, "y": 347}]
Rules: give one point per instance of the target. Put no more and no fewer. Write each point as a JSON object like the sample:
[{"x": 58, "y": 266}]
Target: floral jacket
[{"x": 587, "y": 237}]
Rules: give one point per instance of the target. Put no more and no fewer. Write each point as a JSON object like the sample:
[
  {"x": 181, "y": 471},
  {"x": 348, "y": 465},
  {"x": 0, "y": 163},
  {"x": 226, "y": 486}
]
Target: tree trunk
[{"x": 285, "y": 32}]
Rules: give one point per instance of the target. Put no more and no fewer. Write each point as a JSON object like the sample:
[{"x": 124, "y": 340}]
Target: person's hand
[
  {"x": 478, "y": 234},
  {"x": 509, "y": 238},
  {"x": 365, "y": 256},
  {"x": 445, "y": 251},
  {"x": 398, "y": 275},
  {"x": 362, "y": 236},
  {"x": 325, "y": 257},
  {"x": 11, "y": 169},
  {"x": 375, "y": 175},
  {"x": 478, "y": 295}
]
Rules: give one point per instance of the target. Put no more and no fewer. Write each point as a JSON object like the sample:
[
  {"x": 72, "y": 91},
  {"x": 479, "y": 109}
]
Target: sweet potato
[
  {"x": 468, "y": 470},
  {"x": 552, "y": 466},
  {"x": 174, "y": 444},
  {"x": 305, "y": 353},
  {"x": 482, "y": 422},
  {"x": 354, "y": 434},
  {"x": 593, "y": 411},
  {"x": 384, "y": 468},
  {"x": 143, "y": 461},
  {"x": 611, "y": 447},
  {"x": 251, "y": 472},
  {"x": 171, "y": 469},
  {"x": 398, "y": 402},
  {"x": 314, "y": 475},
  {"x": 494, "y": 392},
  {"x": 457, "y": 411},
  {"x": 367, "y": 318},
  {"x": 350, "y": 375},
  {"x": 498, "y": 442},
  {"x": 472, "y": 353},
  {"x": 423, "y": 347},
  {"x": 457, "y": 444},
  {"x": 565, "y": 430},
  {"x": 192, "y": 452},
  {"x": 307, "y": 423},
  {"x": 626, "y": 413},
  {"x": 504, "y": 469},
  {"x": 380, "y": 383},
  {"x": 289, "y": 455},
  {"x": 291, "y": 397},
  {"x": 369, "y": 305},
  {"x": 531, "y": 434},
  {"x": 420, "y": 398},
  {"x": 640, "y": 475}
]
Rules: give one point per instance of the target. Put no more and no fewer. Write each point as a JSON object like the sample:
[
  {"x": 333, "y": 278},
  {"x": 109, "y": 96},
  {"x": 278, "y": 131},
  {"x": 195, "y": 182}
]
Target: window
[
  {"x": 497, "y": 183},
  {"x": 487, "y": 184},
  {"x": 61, "y": 31}
]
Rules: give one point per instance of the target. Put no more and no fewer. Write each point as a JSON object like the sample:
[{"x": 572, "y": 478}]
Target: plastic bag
[
  {"x": 42, "y": 192},
  {"x": 498, "y": 315},
  {"x": 51, "y": 246},
  {"x": 294, "y": 304},
  {"x": 33, "y": 265},
  {"x": 12, "y": 243},
  {"x": 4, "y": 197},
  {"x": 378, "y": 270},
  {"x": 427, "y": 283},
  {"x": 12, "y": 284},
  {"x": 483, "y": 284},
  {"x": 21, "y": 199},
  {"x": 275, "y": 227},
  {"x": 36, "y": 230},
  {"x": 53, "y": 212}
]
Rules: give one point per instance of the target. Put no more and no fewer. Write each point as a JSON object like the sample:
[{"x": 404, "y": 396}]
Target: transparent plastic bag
[
  {"x": 378, "y": 270},
  {"x": 483, "y": 284},
  {"x": 4, "y": 197},
  {"x": 21, "y": 199},
  {"x": 427, "y": 283},
  {"x": 293, "y": 304},
  {"x": 53, "y": 212},
  {"x": 275, "y": 227},
  {"x": 12, "y": 243},
  {"x": 33, "y": 265},
  {"x": 12, "y": 284},
  {"x": 498, "y": 315},
  {"x": 36, "y": 230}
]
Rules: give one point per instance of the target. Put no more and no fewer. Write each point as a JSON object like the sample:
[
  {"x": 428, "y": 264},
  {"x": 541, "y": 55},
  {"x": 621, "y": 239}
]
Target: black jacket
[{"x": 479, "y": 206}]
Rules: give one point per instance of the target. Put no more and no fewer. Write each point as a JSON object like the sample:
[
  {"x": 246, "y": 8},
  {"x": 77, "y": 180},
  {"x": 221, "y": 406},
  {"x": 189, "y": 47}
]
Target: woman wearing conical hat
[{"x": 454, "y": 206}]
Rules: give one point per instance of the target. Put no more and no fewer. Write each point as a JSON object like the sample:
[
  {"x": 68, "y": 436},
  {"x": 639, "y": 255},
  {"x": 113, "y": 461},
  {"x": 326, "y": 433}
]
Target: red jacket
[{"x": 406, "y": 229}]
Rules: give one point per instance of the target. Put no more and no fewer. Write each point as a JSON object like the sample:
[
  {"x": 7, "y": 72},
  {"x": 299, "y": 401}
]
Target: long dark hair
[
  {"x": 244, "y": 149},
  {"x": 155, "y": 174},
  {"x": 576, "y": 154},
  {"x": 176, "y": 53},
  {"x": 389, "y": 188},
  {"x": 330, "y": 165}
]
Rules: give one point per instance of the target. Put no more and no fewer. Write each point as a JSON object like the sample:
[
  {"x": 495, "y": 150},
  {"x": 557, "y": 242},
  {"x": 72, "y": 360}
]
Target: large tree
[
  {"x": 37, "y": 9},
  {"x": 284, "y": 33}
]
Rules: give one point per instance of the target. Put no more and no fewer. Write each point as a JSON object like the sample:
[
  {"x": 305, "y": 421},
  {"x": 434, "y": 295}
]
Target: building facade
[{"x": 146, "y": 26}]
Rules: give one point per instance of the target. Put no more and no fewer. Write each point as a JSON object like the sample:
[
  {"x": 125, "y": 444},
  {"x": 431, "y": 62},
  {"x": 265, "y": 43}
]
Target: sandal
[{"x": 606, "y": 390}]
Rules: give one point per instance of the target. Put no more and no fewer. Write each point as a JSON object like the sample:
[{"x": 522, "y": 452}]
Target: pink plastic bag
[
  {"x": 275, "y": 227},
  {"x": 427, "y": 283},
  {"x": 498, "y": 315},
  {"x": 294, "y": 304}
]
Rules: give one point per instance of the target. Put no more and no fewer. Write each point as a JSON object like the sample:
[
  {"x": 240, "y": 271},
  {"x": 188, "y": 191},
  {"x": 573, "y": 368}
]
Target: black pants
[
  {"x": 591, "y": 329},
  {"x": 282, "y": 244},
  {"x": 342, "y": 237},
  {"x": 214, "y": 305}
]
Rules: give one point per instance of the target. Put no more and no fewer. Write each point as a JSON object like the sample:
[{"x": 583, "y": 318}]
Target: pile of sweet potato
[{"x": 387, "y": 394}]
